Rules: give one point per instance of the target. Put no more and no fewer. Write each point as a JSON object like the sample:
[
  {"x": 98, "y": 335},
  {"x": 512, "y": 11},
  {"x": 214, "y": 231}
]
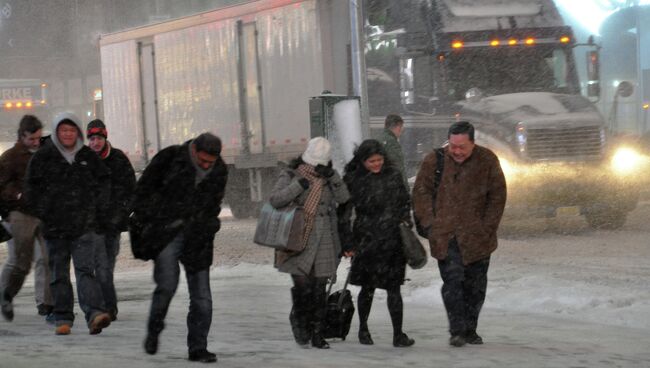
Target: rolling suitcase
[{"x": 340, "y": 310}]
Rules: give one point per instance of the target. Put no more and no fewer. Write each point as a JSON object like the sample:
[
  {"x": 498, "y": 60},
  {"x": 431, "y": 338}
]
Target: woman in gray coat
[{"x": 310, "y": 181}]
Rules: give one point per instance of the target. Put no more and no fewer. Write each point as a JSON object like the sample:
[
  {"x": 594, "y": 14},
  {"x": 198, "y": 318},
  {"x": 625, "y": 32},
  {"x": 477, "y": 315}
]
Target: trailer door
[
  {"x": 250, "y": 90},
  {"x": 149, "y": 100}
]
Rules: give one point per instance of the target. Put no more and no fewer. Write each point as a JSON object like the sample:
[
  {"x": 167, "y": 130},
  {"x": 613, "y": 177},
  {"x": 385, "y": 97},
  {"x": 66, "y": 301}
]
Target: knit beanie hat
[
  {"x": 317, "y": 152},
  {"x": 96, "y": 127}
]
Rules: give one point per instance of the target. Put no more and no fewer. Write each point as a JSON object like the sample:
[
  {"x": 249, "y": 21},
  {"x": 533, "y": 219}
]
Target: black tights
[
  {"x": 309, "y": 283},
  {"x": 395, "y": 307}
]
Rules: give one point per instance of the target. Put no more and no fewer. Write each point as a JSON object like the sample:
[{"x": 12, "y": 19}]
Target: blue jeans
[
  {"x": 463, "y": 289},
  {"x": 82, "y": 252},
  {"x": 107, "y": 247},
  {"x": 166, "y": 273}
]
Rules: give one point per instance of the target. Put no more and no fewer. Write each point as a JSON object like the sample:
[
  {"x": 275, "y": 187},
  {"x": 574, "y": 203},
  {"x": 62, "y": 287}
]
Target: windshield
[{"x": 508, "y": 70}]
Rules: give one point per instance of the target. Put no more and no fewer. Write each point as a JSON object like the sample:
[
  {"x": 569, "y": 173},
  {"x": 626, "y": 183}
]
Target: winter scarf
[{"x": 311, "y": 203}]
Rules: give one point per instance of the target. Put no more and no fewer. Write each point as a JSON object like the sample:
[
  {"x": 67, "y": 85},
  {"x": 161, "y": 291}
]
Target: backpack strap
[{"x": 440, "y": 165}]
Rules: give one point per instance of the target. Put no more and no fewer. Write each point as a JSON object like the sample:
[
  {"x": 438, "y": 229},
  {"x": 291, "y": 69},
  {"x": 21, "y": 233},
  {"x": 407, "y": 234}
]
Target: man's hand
[
  {"x": 304, "y": 183},
  {"x": 325, "y": 171}
]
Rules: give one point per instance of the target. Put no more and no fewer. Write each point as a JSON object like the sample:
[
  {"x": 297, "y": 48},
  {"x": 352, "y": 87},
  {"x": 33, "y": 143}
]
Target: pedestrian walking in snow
[
  {"x": 380, "y": 201},
  {"x": 67, "y": 188},
  {"x": 176, "y": 208},
  {"x": 461, "y": 223},
  {"x": 112, "y": 223},
  {"x": 393, "y": 128},
  {"x": 310, "y": 181},
  {"x": 27, "y": 244}
]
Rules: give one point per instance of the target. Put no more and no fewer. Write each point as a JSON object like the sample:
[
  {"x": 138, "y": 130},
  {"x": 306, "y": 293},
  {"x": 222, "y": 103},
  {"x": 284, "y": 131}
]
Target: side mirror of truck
[
  {"x": 625, "y": 89},
  {"x": 593, "y": 74},
  {"x": 474, "y": 95}
]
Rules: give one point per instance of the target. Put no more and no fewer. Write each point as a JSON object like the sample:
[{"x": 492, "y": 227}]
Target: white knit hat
[{"x": 317, "y": 152}]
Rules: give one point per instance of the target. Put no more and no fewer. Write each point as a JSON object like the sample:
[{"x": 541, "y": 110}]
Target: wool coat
[
  {"x": 469, "y": 203},
  {"x": 323, "y": 250},
  {"x": 380, "y": 202},
  {"x": 168, "y": 202}
]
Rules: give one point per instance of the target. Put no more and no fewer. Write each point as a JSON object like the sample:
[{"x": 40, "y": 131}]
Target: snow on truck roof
[
  {"x": 471, "y": 15},
  {"x": 536, "y": 103},
  {"x": 493, "y": 8}
]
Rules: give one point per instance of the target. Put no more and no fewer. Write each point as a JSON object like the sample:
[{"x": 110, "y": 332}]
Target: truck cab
[{"x": 509, "y": 68}]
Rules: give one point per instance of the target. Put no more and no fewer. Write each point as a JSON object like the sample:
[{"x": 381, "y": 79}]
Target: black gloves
[
  {"x": 304, "y": 183},
  {"x": 325, "y": 171}
]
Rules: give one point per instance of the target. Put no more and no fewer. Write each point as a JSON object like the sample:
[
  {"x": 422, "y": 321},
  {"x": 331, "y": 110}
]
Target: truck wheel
[{"x": 606, "y": 218}]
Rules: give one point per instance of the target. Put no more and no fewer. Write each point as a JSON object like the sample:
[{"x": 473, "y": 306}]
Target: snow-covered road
[{"x": 560, "y": 295}]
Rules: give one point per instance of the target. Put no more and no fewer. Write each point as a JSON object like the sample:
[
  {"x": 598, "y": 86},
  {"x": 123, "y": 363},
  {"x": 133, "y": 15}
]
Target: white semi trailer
[{"x": 244, "y": 73}]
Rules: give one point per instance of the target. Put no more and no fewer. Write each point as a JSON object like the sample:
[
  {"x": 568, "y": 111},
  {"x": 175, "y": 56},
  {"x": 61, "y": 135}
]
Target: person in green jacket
[{"x": 393, "y": 126}]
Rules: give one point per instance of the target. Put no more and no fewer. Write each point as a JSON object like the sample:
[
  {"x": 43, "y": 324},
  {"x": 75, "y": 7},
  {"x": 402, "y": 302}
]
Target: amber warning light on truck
[
  {"x": 21, "y": 96},
  {"x": 528, "y": 41}
]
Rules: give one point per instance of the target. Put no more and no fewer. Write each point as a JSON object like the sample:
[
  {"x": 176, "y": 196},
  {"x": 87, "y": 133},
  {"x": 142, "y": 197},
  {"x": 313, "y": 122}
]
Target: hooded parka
[{"x": 67, "y": 190}]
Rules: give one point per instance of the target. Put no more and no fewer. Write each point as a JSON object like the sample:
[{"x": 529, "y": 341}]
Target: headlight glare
[{"x": 626, "y": 161}]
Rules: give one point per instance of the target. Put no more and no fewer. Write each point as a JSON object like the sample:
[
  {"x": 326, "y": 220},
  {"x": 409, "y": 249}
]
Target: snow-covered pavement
[{"x": 564, "y": 297}]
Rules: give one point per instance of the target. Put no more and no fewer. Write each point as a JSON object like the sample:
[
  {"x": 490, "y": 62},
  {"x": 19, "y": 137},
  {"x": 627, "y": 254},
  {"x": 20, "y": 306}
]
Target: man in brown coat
[
  {"x": 462, "y": 224},
  {"x": 27, "y": 244}
]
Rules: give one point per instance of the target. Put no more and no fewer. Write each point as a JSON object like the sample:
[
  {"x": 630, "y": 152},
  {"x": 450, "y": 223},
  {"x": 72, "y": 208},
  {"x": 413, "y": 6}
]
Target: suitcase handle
[{"x": 345, "y": 286}]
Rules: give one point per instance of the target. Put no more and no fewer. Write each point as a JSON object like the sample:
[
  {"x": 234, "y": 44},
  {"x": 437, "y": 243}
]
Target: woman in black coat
[{"x": 381, "y": 202}]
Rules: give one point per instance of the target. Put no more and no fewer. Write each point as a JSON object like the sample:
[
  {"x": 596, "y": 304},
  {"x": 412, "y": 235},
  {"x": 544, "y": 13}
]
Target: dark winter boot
[
  {"x": 151, "y": 343},
  {"x": 402, "y": 340},
  {"x": 472, "y": 338},
  {"x": 299, "y": 316},
  {"x": 6, "y": 306},
  {"x": 203, "y": 356},
  {"x": 364, "y": 337},
  {"x": 457, "y": 341},
  {"x": 318, "y": 318}
]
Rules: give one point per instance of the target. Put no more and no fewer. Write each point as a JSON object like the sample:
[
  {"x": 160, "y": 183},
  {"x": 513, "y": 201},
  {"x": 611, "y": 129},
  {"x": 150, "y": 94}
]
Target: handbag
[
  {"x": 416, "y": 255},
  {"x": 281, "y": 228}
]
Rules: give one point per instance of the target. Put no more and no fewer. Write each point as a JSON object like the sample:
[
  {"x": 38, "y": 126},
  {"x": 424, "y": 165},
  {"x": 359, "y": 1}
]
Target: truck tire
[{"x": 606, "y": 218}]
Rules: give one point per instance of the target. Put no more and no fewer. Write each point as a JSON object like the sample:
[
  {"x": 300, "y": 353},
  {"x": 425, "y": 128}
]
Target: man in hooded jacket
[
  {"x": 67, "y": 188},
  {"x": 176, "y": 208}
]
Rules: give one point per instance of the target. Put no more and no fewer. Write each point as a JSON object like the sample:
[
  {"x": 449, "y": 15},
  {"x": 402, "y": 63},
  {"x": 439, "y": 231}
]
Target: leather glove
[
  {"x": 325, "y": 171},
  {"x": 304, "y": 183}
]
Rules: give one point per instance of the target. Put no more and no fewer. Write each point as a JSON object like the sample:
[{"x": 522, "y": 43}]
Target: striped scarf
[{"x": 311, "y": 204}]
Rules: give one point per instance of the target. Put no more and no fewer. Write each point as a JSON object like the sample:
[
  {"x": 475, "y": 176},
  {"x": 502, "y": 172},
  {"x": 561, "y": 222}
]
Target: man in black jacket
[
  {"x": 176, "y": 209},
  {"x": 67, "y": 188},
  {"x": 114, "y": 221}
]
